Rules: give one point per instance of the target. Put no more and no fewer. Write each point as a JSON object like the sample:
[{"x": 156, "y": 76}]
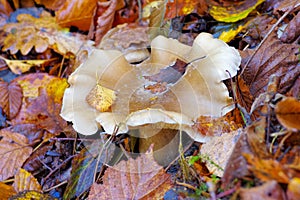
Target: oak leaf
[
  {"x": 141, "y": 178},
  {"x": 14, "y": 150}
]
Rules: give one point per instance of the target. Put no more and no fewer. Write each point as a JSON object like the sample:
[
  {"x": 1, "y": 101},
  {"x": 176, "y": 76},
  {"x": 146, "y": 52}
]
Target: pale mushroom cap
[{"x": 199, "y": 91}]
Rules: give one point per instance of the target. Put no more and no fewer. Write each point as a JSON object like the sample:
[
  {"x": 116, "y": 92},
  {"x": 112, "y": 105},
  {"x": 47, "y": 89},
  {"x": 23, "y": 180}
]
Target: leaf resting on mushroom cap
[{"x": 199, "y": 91}]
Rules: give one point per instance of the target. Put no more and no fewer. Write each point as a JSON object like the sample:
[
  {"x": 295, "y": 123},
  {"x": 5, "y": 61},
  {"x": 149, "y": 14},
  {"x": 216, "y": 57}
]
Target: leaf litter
[{"x": 35, "y": 137}]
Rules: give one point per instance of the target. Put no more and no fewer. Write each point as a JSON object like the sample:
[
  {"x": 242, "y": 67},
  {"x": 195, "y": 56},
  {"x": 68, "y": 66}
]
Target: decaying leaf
[
  {"x": 141, "y": 178},
  {"x": 84, "y": 166},
  {"x": 10, "y": 98},
  {"x": 270, "y": 190},
  {"x": 42, "y": 96},
  {"x": 26, "y": 181},
  {"x": 219, "y": 150},
  {"x": 292, "y": 31},
  {"x": 228, "y": 11},
  {"x": 273, "y": 57},
  {"x": 14, "y": 150},
  {"x": 77, "y": 13},
  {"x": 198, "y": 92},
  {"x": 131, "y": 40},
  {"x": 26, "y": 195},
  {"x": 288, "y": 113}
]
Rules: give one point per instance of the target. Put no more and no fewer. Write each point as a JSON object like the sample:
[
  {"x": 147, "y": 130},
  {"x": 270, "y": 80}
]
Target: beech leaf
[
  {"x": 10, "y": 98},
  {"x": 141, "y": 178},
  {"x": 14, "y": 150}
]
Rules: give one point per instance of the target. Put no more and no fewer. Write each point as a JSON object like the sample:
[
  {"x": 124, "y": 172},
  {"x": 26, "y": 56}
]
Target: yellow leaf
[
  {"x": 26, "y": 181},
  {"x": 101, "y": 98},
  {"x": 231, "y": 13},
  {"x": 230, "y": 35}
]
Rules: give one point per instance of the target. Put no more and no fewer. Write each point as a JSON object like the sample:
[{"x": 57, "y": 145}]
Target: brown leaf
[
  {"x": 288, "y": 113},
  {"x": 141, "y": 178},
  {"x": 26, "y": 181},
  {"x": 273, "y": 57},
  {"x": 285, "y": 5},
  {"x": 292, "y": 31},
  {"x": 10, "y": 98},
  {"x": 244, "y": 97},
  {"x": 5, "y": 8},
  {"x": 6, "y": 191},
  {"x": 106, "y": 12},
  {"x": 77, "y": 13},
  {"x": 14, "y": 150},
  {"x": 270, "y": 190},
  {"x": 269, "y": 169},
  {"x": 42, "y": 101}
]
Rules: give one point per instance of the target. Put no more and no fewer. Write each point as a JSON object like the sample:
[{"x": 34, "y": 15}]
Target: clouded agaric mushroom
[{"x": 164, "y": 91}]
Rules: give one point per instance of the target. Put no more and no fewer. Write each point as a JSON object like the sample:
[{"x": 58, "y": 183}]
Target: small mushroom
[
  {"x": 143, "y": 95},
  {"x": 130, "y": 39}
]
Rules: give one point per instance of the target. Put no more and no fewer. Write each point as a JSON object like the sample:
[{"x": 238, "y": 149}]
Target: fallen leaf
[
  {"x": 244, "y": 97},
  {"x": 14, "y": 150},
  {"x": 77, "y": 13},
  {"x": 269, "y": 169},
  {"x": 5, "y": 8},
  {"x": 228, "y": 11},
  {"x": 10, "y": 98},
  {"x": 105, "y": 20},
  {"x": 293, "y": 190},
  {"x": 32, "y": 195},
  {"x": 273, "y": 57},
  {"x": 184, "y": 7},
  {"x": 218, "y": 156},
  {"x": 292, "y": 31},
  {"x": 288, "y": 113},
  {"x": 270, "y": 190},
  {"x": 24, "y": 35},
  {"x": 25, "y": 181},
  {"x": 52, "y": 5},
  {"x": 230, "y": 35},
  {"x": 141, "y": 178},
  {"x": 83, "y": 168},
  {"x": 30, "y": 131},
  {"x": 6, "y": 191},
  {"x": 21, "y": 66},
  {"x": 42, "y": 97},
  {"x": 129, "y": 13},
  {"x": 285, "y": 5}
]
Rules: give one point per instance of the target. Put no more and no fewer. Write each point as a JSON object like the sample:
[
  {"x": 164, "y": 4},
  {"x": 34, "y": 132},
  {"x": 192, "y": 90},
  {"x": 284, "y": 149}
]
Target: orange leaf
[
  {"x": 14, "y": 150},
  {"x": 293, "y": 190},
  {"x": 288, "y": 113},
  {"x": 6, "y": 191},
  {"x": 77, "y": 13},
  {"x": 141, "y": 178},
  {"x": 10, "y": 98},
  {"x": 26, "y": 181}
]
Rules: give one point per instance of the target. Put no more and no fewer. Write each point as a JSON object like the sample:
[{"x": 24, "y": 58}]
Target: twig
[
  {"x": 56, "y": 186},
  {"x": 186, "y": 185},
  {"x": 265, "y": 38}
]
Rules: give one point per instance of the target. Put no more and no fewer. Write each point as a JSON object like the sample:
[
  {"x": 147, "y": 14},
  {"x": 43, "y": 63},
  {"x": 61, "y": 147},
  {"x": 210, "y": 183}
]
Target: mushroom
[{"x": 132, "y": 96}]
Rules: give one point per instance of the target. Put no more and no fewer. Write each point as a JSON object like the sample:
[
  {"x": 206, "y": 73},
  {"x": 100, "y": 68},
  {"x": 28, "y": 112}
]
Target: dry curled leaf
[
  {"x": 10, "y": 98},
  {"x": 26, "y": 181},
  {"x": 77, "y": 13},
  {"x": 288, "y": 113},
  {"x": 141, "y": 178},
  {"x": 14, "y": 150}
]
